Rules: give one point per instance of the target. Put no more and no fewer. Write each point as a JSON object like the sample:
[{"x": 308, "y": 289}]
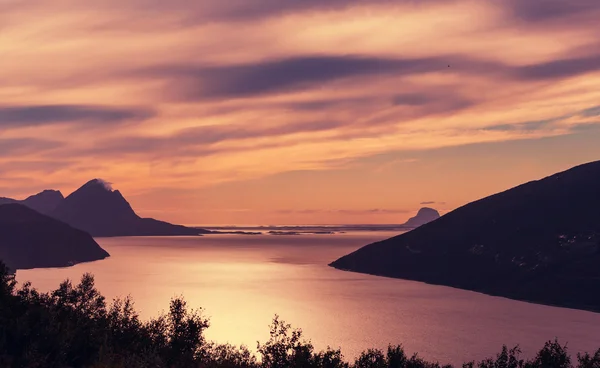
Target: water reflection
[{"x": 242, "y": 281}]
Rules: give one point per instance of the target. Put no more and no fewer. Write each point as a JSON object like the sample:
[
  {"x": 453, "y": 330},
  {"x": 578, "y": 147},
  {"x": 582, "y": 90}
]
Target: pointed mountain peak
[
  {"x": 101, "y": 211},
  {"x": 98, "y": 183},
  {"x": 99, "y": 192}
]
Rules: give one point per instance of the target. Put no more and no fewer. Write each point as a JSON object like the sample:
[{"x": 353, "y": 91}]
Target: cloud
[
  {"x": 24, "y": 146},
  {"x": 190, "y": 82},
  {"x": 219, "y": 133},
  {"x": 593, "y": 111},
  {"x": 413, "y": 99},
  {"x": 38, "y": 115},
  {"x": 551, "y": 10},
  {"x": 302, "y": 72},
  {"x": 34, "y": 166},
  {"x": 560, "y": 68},
  {"x": 324, "y": 104},
  {"x": 528, "y": 126},
  {"x": 201, "y": 140},
  {"x": 288, "y": 85},
  {"x": 380, "y": 211},
  {"x": 243, "y": 11},
  {"x": 428, "y": 202},
  {"x": 374, "y": 211},
  {"x": 108, "y": 186},
  {"x": 538, "y": 125},
  {"x": 585, "y": 127},
  {"x": 386, "y": 107}
]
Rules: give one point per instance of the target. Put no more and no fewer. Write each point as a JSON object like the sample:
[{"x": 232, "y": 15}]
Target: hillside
[
  {"x": 539, "y": 242},
  {"x": 29, "y": 239}
]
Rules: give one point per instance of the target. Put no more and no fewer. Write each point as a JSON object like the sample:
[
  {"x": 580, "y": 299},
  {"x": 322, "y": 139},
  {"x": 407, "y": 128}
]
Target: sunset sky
[{"x": 295, "y": 111}]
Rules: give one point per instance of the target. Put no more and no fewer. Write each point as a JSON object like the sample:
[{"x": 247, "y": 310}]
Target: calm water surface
[{"x": 243, "y": 281}]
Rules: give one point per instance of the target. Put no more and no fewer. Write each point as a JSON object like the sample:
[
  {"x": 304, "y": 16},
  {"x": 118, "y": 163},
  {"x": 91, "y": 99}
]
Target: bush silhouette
[{"x": 74, "y": 327}]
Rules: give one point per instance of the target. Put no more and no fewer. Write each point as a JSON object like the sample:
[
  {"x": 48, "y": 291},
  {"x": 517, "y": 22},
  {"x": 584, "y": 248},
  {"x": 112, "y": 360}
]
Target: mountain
[
  {"x": 4, "y": 200},
  {"x": 101, "y": 211},
  {"x": 538, "y": 242},
  {"x": 29, "y": 239},
  {"x": 424, "y": 216},
  {"x": 43, "y": 202}
]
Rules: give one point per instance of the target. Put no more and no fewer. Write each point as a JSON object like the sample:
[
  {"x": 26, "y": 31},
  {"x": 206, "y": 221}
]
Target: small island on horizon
[{"x": 424, "y": 215}]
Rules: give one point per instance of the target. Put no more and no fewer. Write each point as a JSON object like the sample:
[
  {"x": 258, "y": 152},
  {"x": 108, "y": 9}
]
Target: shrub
[{"x": 73, "y": 327}]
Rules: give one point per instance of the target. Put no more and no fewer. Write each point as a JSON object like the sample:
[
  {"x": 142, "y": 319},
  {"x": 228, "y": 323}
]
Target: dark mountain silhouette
[
  {"x": 101, "y": 211},
  {"x": 4, "y": 200},
  {"x": 29, "y": 239},
  {"x": 424, "y": 216},
  {"x": 43, "y": 202},
  {"x": 539, "y": 242}
]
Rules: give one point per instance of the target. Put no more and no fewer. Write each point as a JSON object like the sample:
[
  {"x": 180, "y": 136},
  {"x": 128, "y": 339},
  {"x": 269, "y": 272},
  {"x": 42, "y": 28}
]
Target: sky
[{"x": 295, "y": 111}]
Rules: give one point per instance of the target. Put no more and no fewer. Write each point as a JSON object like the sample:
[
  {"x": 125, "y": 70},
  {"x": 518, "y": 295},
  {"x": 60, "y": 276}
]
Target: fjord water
[{"x": 242, "y": 281}]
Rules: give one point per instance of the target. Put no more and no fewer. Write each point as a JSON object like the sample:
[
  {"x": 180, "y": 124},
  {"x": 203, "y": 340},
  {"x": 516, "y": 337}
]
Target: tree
[
  {"x": 505, "y": 359},
  {"x": 185, "y": 331},
  {"x": 285, "y": 347},
  {"x": 552, "y": 355},
  {"x": 372, "y": 358},
  {"x": 587, "y": 361}
]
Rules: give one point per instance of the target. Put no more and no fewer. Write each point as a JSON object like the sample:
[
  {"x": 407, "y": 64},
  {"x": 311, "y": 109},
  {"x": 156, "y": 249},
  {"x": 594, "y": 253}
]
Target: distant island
[
  {"x": 274, "y": 232},
  {"x": 214, "y": 232},
  {"x": 537, "y": 242},
  {"x": 101, "y": 211},
  {"x": 424, "y": 216},
  {"x": 29, "y": 239}
]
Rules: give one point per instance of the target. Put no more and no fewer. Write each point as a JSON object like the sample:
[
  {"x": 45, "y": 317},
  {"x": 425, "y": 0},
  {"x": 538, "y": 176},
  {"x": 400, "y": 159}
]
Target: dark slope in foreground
[
  {"x": 538, "y": 242},
  {"x": 101, "y": 211},
  {"x": 29, "y": 239}
]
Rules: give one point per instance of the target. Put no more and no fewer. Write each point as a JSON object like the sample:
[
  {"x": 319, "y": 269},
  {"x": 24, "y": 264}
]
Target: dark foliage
[{"x": 74, "y": 327}]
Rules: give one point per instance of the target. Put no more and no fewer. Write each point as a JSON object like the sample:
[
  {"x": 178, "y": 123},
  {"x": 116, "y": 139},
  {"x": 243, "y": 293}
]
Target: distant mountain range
[
  {"x": 538, "y": 242},
  {"x": 102, "y": 212},
  {"x": 29, "y": 239}
]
